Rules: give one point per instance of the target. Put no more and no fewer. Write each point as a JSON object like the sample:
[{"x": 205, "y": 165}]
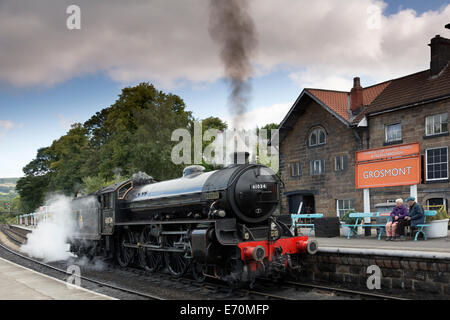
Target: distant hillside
[{"x": 8, "y": 188}]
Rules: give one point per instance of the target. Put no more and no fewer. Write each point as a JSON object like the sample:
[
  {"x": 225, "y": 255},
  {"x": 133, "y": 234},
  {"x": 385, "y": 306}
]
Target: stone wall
[
  {"x": 406, "y": 277},
  {"x": 413, "y": 130},
  {"x": 332, "y": 184}
]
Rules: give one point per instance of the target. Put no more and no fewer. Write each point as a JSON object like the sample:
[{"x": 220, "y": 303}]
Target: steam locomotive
[{"x": 221, "y": 224}]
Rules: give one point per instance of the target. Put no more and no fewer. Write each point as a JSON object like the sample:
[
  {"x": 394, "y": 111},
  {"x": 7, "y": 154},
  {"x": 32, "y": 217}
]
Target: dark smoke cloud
[{"x": 231, "y": 26}]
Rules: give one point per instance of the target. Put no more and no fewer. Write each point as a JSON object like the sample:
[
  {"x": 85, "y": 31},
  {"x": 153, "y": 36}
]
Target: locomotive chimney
[{"x": 240, "y": 157}]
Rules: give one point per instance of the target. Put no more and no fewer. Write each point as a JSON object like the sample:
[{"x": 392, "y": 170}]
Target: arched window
[{"x": 317, "y": 137}]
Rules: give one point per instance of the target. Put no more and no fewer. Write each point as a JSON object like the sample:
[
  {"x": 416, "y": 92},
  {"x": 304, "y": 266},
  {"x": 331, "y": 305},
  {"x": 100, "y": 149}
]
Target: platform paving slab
[{"x": 20, "y": 283}]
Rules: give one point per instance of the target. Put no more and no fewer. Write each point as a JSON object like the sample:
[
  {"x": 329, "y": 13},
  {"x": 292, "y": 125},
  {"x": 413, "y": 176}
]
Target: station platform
[
  {"x": 20, "y": 283},
  {"x": 430, "y": 248}
]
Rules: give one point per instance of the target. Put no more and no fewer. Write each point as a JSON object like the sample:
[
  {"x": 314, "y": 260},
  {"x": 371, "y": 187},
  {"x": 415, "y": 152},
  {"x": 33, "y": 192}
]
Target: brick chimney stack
[
  {"x": 440, "y": 54},
  {"x": 356, "y": 96}
]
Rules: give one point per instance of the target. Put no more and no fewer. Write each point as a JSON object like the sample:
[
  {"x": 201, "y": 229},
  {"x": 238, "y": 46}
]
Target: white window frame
[
  {"x": 317, "y": 132},
  {"x": 429, "y": 118},
  {"x": 344, "y": 209},
  {"x": 319, "y": 166},
  {"x": 426, "y": 165},
  {"x": 386, "y": 132},
  {"x": 444, "y": 202},
  {"x": 297, "y": 172},
  {"x": 341, "y": 163}
]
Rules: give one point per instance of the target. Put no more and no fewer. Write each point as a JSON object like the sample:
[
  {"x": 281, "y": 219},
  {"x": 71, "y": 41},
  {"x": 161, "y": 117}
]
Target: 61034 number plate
[{"x": 259, "y": 186}]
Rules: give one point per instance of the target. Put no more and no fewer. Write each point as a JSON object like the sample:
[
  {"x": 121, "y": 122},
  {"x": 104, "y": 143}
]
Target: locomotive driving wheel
[
  {"x": 199, "y": 271},
  {"x": 124, "y": 254},
  {"x": 176, "y": 262},
  {"x": 150, "y": 260}
]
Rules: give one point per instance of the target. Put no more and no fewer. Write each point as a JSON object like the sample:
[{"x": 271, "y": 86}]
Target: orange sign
[
  {"x": 388, "y": 167},
  {"x": 388, "y": 153},
  {"x": 400, "y": 172}
]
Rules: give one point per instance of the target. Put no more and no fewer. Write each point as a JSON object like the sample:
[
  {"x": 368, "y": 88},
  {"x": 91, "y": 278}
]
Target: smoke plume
[
  {"x": 49, "y": 241},
  {"x": 231, "y": 26}
]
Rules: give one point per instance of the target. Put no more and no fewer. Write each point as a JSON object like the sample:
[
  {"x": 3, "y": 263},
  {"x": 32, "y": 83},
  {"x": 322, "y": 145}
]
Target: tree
[{"x": 132, "y": 135}]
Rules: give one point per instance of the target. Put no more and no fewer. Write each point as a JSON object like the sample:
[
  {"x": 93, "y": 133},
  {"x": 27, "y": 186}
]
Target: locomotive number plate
[
  {"x": 258, "y": 186},
  {"x": 212, "y": 195}
]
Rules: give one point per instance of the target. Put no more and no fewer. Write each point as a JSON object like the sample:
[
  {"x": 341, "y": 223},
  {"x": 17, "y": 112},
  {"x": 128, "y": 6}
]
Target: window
[
  {"x": 122, "y": 192},
  {"x": 436, "y": 204},
  {"x": 317, "y": 167},
  {"x": 393, "y": 132},
  {"x": 317, "y": 137},
  {"x": 342, "y": 206},
  {"x": 437, "y": 164},
  {"x": 340, "y": 163},
  {"x": 106, "y": 200},
  {"x": 436, "y": 124},
  {"x": 296, "y": 169}
]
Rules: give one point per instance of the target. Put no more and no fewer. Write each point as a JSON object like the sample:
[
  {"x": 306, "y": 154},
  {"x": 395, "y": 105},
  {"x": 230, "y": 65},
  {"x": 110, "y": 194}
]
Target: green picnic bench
[
  {"x": 427, "y": 213},
  {"x": 295, "y": 217},
  {"x": 361, "y": 215}
]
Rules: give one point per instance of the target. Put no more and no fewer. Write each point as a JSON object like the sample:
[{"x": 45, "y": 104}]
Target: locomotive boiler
[{"x": 222, "y": 223}]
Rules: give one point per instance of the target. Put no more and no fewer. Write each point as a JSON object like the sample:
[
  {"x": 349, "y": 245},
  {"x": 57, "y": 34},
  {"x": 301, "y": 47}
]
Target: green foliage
[
  {"x": 92, "y": 184},
  {"x": 7, "y": 218},
  {"x": 132, "y": 135},
  {"x": 440, "y": 215},
  {"x": 346, "y": 218}
]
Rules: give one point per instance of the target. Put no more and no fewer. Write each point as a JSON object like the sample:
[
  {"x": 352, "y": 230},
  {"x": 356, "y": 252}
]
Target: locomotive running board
[{"x": 136, "y": 223}]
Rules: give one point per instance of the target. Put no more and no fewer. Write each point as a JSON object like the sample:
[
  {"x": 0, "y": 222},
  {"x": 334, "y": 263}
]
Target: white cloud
[
  {"x": 314, "y": 78},
  {"x": 167, "y": 42},
  {"x": 260, "y": 116},
  {"x": 64, "y": 122},
  {"x": 5, "y": 127}
]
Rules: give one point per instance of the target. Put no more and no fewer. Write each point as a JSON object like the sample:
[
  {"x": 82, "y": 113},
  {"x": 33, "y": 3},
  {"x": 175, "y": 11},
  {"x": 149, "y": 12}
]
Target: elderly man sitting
[
  {"x": 415, "y": 216},
  {"x": 398, "y": 213}
]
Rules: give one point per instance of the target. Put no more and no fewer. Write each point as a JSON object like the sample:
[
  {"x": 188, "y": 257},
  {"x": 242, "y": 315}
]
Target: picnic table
[
  {"x": 361, "y": 216},
  {"x": 296, "y": 217}
]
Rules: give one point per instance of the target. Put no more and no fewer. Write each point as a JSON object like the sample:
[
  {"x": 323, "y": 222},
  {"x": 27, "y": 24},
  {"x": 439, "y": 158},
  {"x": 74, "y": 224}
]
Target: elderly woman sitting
[{"x": 399, "y": 212}]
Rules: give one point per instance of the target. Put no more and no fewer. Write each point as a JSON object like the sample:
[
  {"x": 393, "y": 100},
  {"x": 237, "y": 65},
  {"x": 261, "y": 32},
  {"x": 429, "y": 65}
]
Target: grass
[{"x": 7, "y": 218}]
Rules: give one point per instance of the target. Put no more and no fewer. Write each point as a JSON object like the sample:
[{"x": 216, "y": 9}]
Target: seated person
[
  {"x": 415, "y": 216},
  {"x": 398, "y": 213}
]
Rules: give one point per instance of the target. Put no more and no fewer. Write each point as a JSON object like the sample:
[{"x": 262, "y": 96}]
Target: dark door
[
  {"x": 308, "y": 204},
  {"x": 307, "y": 201}
]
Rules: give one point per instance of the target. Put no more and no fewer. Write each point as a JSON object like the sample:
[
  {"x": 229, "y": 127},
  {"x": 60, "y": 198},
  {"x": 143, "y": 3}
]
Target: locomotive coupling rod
[
  {"x": 152, "y": 247},
  {"x": 174, "y": 232}
]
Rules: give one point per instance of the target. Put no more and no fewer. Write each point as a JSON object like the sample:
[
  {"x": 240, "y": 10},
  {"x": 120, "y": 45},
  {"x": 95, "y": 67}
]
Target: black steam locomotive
[{"x": 221, "y": 223}]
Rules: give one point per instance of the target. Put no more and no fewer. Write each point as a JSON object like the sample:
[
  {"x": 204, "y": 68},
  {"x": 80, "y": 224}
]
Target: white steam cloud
[{"x": 49, "y": 241}]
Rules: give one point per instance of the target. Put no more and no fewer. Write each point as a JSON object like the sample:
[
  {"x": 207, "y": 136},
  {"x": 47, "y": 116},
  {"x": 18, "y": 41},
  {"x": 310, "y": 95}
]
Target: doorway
[{"x": 305, "y": 200}]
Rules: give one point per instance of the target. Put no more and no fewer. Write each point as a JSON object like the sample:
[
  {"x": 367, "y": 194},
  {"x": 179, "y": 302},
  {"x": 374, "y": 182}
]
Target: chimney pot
[
  {"x": 440, "y": 54},
  {"x": 356, "y": 96}
]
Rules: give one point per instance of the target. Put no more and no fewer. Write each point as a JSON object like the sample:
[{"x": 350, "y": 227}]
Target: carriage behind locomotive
[{"x": 222, "y": 223}]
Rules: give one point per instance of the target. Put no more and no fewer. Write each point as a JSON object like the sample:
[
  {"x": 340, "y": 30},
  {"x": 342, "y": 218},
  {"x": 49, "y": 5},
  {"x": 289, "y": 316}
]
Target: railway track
[
  {"x": 211, "y": 288},
  {"x": 15, "y": 237},
  {"x": 18, "y": 236},
  {"x": 361, "y": 294}
]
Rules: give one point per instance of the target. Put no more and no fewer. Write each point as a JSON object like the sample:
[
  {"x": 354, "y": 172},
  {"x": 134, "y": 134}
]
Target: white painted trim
[
  {"x": 404, "y": 253},
  {"x": 426, "y": 164}
]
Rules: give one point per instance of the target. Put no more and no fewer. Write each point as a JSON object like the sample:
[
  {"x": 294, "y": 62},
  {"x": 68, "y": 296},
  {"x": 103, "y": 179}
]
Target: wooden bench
[
  {"x": 427, "y": 213},
  {"x": 361, "y": 215},
  {"x": 296, "y": 217}
]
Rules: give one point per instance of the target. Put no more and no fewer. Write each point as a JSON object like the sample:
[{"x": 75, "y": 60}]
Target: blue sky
[{"x": 38, "y": 108}]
